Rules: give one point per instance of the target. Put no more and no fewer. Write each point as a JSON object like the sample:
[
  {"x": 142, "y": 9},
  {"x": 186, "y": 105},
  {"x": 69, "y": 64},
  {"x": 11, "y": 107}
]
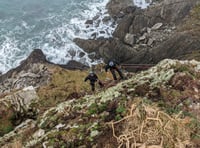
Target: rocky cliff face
[
  {"x": 150, "y": 35},
  {"x": 20, "y": 87},
  {"x": 46, "y": 105},
  {"x": 34, "y": 71},
  {"x": 17, "y": 107}
]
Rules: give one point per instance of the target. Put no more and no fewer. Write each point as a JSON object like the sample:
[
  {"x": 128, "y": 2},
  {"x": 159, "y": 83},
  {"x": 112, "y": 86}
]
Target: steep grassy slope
[{"x": 157, "y": 107}]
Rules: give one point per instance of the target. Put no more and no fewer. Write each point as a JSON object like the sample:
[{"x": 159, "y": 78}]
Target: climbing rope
[{"x": 137, "y": 66}]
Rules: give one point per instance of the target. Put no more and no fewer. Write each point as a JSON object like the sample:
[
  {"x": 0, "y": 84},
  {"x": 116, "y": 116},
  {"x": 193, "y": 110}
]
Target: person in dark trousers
[
  {"x": 112, "y": 65},
  {"x": 92, "y": 77}
]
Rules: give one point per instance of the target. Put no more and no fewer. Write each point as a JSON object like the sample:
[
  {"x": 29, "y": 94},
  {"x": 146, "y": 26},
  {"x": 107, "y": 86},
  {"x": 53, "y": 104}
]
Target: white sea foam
[
  {"x": 76, "y": 28},
  {"x": 56, "y": 36},
  {"x": 99, "y": 28},
  {"x": 53, "y": 32},
  {"x": 8, "y": 49},
  {"x": 142, "y": 3}
]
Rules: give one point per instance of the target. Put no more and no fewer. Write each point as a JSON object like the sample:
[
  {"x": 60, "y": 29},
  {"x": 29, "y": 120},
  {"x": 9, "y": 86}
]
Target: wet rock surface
[
  {"x": 116, "y": 7},
  {"x": 145, "y": 32}
]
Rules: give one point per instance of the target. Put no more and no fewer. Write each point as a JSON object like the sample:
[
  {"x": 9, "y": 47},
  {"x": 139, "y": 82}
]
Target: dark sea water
[{"x": 49, "y": 25}]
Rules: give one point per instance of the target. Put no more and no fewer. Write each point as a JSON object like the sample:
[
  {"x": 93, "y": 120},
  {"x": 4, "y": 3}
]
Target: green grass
[{"x": 5, "y": 128}]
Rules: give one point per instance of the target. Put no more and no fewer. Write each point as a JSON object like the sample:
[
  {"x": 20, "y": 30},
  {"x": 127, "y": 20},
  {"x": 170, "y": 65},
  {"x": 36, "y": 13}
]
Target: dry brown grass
[
  {"x": 15, "y": 144},
  {"x": 148, "y": 127},
  {"x": 64, "y": 83}
]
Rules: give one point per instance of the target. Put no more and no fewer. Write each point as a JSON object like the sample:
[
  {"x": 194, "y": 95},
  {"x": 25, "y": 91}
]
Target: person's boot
[{"x": 101, "y": 84}]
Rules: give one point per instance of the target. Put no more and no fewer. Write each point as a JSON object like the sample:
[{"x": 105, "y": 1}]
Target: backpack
[{"x": 111, "y": 64}]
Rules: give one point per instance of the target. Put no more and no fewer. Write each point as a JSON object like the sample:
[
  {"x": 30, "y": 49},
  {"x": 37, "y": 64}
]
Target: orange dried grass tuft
[{"x": 148, "y": 127}]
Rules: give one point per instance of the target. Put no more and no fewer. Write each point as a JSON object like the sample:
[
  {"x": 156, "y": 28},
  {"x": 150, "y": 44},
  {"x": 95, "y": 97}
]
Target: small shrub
[
  {"x": 171, "y": 110},
  {"x": 182, "y": 68},
  {"x": 195, "y": 127},
  {"x": 118, "y": 117},
  {"x": 93, "y": 109},
  {"x": 102, "y": 107},
  {"x": 5, "y": 129},
  {"x": 120, "y": 110}
]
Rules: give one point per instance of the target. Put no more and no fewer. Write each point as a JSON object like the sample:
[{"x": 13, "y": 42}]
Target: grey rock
[
  {"x": 148, "y": 30},
  {"x": 130, "y": 39},
  {"x": 157, "y": 26},
  {"x": 142, "y": 38},
  {"x": 150, "y": 42},
  {"x": 89, "y": 45},
  {"x": 96, "y": 17},
  {"x": 35, "y": 69},
  {"x": 179, "y": 46},
  {"x": 143, "y": 30},
  {"x": 123, "y": 27},
  {"x": 116, "y": 6},
  {"x": 90, "y": 22},
  {"x": 153, "y": 42},
  {"x": 168, "y": 11},
  {"x": 106, "y": 19},
  {"x": 81, "y": 54},
  {"x": 72, "y": 65}
]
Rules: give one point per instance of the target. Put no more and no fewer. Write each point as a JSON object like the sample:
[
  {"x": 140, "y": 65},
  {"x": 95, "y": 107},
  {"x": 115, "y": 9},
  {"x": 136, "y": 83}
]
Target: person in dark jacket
[
  {"x": 92, "y": 77},
  {"x": 112, "y": 65}
]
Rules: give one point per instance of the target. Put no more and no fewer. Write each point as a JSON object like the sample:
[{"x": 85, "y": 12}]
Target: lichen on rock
[{"x": 17, "y": 106}]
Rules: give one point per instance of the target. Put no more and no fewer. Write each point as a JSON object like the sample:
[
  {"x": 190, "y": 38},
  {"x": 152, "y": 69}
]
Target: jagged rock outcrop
[
  {"x": 90, "y": 46},
  {"x": 15, "y": 137},
  {"x": 167, "y": 12},
  {"x": 145, "y": 34},
  {"x": 123, "y": 27},
  {"x": 34, "y": 71},
  {"x": 17, "y": 106},
  {"x": 116, "y": 7},
  {"x": 183, "y": 45},
  {"x": 121, "y": 52},
  {"x": 74, "y": 65}
]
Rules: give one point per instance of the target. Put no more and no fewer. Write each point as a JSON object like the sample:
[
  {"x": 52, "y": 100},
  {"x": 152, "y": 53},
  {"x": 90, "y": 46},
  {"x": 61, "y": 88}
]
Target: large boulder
[
  {"x": 166, "y": 12},
  {"x": 116, "y": 49},
  {"x": 89, "y": 45},
  {"x": 73, "y": 65},
  {"x": 115, "y": 7},
  {"x": 183, "y": 45},
  {"x": 123, "y": 27}
]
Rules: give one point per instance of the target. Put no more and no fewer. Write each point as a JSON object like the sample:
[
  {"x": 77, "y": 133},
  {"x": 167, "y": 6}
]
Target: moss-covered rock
[{"x": 16, "y": 107}]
